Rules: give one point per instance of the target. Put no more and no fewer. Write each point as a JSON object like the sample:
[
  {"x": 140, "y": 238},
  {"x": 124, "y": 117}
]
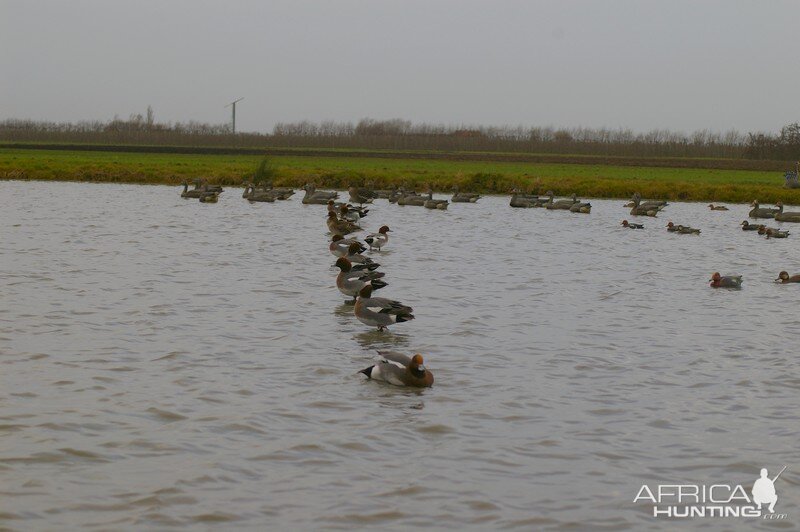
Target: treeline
[{"x": 397, "y": 134}]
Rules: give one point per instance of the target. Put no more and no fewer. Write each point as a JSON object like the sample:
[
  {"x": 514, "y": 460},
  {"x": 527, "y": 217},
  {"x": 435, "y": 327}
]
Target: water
[{"x": 167, "y": 363}]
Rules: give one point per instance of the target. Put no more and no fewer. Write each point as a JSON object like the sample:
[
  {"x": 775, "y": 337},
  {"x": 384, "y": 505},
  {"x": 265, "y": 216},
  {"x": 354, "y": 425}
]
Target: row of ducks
[
  {"x": 762, "y": 229},
  {"x": 520, "y": 200},
  {"x": 776, "y": 214},
  {"x": 357, "y": 279},
  {"x": 265, "y": 192},
  {"x": 735, "y": 281}
]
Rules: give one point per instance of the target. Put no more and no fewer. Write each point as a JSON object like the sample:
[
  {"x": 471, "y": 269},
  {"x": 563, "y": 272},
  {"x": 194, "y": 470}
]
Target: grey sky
[{"x": 676, "y": 64}]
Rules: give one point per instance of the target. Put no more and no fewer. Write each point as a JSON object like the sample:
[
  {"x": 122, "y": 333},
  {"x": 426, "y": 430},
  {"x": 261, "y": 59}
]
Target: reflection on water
[{"x": 167, "y": 363}]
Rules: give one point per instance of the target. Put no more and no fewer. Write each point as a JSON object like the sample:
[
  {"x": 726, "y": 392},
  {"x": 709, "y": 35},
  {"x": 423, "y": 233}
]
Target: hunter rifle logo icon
[{"x": 764, "y": 490}]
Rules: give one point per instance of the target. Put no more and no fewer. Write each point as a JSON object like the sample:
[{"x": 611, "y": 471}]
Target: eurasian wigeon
[
  {"x": 725, "y": 281},
  {"x": 400, "y": 370},
  {"x": 380, "y": 312},
  {"x": 379, "y": 239}
]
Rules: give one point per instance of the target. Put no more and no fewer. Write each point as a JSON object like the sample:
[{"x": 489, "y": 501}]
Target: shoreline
[{"x": 339, "y": 172}]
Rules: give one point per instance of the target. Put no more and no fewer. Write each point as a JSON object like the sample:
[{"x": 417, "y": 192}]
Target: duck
[
  {"x": 760, "y": 212},
  {"x": 209, "y": 197},
  {"x": 640, "y": 209},
  {"x": 196, "y": 193},
  {"x": 202, "y": 184},
  {"x": 354, "y": 255},
  {"x": 682, "y": 229},
  {"x": 351, "y": 213},
  {"x": 562, "y": 204},
  {"x": 317, "y": 197},
  {"x": 379, "y": 239},
  {"x": 280, "y": 193},
  {"x": 584, "y": 208},
  {"x": 763, "y": 229},
  {"x": 400, "y": 370},
  {"x": 260, "y": 195},
  {"x": 776, "y": 233},
  {"x": 464, "y": 197},
  {"x": 781, "y": 216},
  {"x": 361, "y": 195},
  {"x": 380, "y": 312},
  {"x": 784, "y": 278},
  {"x": 522, "y": 201},
  {"x": 725, "y": 281},
  {"x": 747, "y": 226},
  {"x": 341, "y": 227},
  {"x": 340, "y": 246},
  {"x": 385, "y": 194},
  {"x": 626, "y": 223},
  {"x": 412, "y": 199},
  {"x": 636, "y": 199},
  {"x": 717, "y": 207},
  {"x": 350, "y": 282},
  {"x": 431, "y": 203}
]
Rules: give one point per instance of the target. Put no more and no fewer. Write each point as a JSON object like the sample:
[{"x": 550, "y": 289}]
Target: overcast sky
[{"x": 676, "y": 64}]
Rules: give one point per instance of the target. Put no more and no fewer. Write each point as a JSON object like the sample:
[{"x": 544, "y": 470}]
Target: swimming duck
[
  {"x": 379, "y": 239},
  {"x": 196, "y": 193},
  {"x": 400, "y": 370},
  {"x": 412, "y": 199},
  {"x": 380, "y": 312},
  {"x": 747, "y": 226},
  {"x": 562, "y": 204},
  {"x": 776, "y": 233},
  {"x": 786, "y": 216},
  {"x": 717, "y": 207},
  {"x": 584, "y": 208},
  {"x": 317, "y": 197},
  {"x": 784, "y": 278},
  {"x": 350, "y": 281},
  {"x": 431, "y": 203},
  {"x": 202, "y": 184},
  {"x": 629, "y": 225},
  {"x": 209, "y": 197},
  {"x": 762, "y": 229},
  {"x": 522, "y": 201},
  {"x": 280, "y": 193},
  {"x": 636, "y": 199},
  {"x": 759, "y": 212},
  {"x": 639, "y": 209},
  {"x": 725, "y": 281},
  {"x": 464, "y": 197},
  {"x": 682, "y": 229},
  {"x": 340, "y": 227}
]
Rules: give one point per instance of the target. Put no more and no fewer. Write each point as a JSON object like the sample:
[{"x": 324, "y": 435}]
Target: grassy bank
[{"x": 587, "y": 180}]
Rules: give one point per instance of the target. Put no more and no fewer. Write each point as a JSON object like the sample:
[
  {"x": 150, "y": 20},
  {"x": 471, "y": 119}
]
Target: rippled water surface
[{"x": 166, "y": 363}]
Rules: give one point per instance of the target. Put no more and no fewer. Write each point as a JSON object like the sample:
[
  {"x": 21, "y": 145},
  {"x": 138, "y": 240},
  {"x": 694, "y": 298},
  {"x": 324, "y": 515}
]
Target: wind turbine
[{"x": 233, "y": 117}]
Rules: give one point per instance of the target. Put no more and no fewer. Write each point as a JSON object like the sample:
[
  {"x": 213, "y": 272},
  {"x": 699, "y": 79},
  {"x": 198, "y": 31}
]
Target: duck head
[
  {"x": 782, "y": 276},
  {"x": 336, "y": 238},
  {"x": 332, "y": 215},
  {"x": 754, "y": 203},
  {"x": 417, "y": 366},
  {"x": 384, "y": 229},
  {"x": 745, "y": 223},
  {"x": 715, "y": 277},
  {"x": 343, "y": 264},
  {"x": 670, "y": 225},
  {"x": 624, "y": 223},
  {"x": 365, "y": 292},
  {"x": 354, "y": 249}
]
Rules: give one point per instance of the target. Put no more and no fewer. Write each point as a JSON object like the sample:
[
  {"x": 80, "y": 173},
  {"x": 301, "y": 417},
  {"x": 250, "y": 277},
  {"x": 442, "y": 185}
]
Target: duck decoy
[
  {"x": 717, "y": 207},
  {"x": 636, "y": 199},
  {"x": 781, "y": 216},
  {"x": 400, "y": 370},
  {"x": 522, "y": 201},
  {"x": 784, "y": 278},
  {"x": 341, "y": 227},
  {"x": 761, "y": 212},
  {"x": 725, "y": 281},
  {"x": 776, "y": 233},
  {"x": 412, "y": 199},
  {"x": 317, "y": 197},
  {"x": 380, "y": 312},
  {"x": 379, "y": 239},
  {"x": 464, "y": 197},
  {"x": 202, "y": 184},
  {"x": 626, "y": 223},
  {"x": 350, "y": 282},
  {"x": 747, "y": 226}
]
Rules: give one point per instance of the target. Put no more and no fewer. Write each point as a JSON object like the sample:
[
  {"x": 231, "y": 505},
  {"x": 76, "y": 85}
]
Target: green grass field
[{"x": 586, "y": 180}]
